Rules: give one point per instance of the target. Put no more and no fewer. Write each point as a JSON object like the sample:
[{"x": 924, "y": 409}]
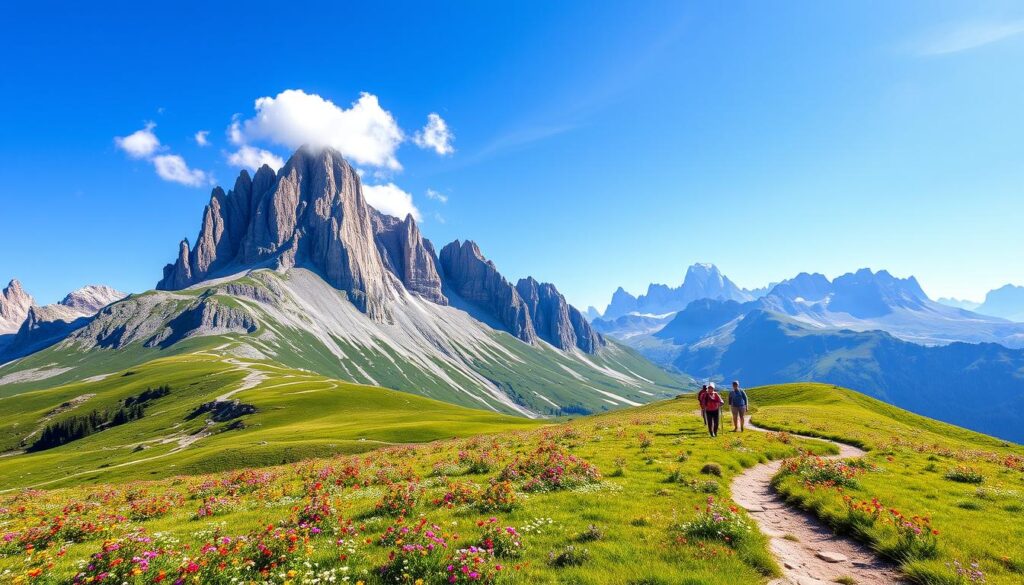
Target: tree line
[{"x": 78, "y": 426}]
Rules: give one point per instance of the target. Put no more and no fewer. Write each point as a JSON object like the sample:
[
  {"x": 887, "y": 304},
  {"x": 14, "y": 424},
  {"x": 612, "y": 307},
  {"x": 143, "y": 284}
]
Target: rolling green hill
[
  {"x": 619, "y": 497},
  {"x": 970, "y": 485},
  {"x": 297, "y": 415}
]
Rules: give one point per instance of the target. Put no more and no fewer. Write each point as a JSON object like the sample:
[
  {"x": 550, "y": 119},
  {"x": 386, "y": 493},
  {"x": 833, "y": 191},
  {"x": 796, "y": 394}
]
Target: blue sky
[{"x": 595, "y": 144}]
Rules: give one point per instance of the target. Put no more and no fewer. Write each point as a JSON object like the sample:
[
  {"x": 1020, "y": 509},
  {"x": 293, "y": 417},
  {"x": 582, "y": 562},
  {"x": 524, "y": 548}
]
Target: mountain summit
[
  {"x": 14, "y": 306},
  {"x": 702, "y": 281},
  {"x": 311, "y": 213}
]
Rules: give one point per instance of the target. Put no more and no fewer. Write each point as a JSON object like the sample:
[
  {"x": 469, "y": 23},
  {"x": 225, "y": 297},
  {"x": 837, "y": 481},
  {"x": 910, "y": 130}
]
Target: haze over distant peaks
[
  {"x": 702, "y": 281},
  {"x": 1006, "y": 302}
]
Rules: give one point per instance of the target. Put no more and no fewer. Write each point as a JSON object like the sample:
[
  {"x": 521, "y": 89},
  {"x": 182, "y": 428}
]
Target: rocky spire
[
  {"x": 555, "y": 320},
  {"x": 475, "y": 278},
  {"x": 408, "y": 255},
  {"x": 312, "y": 213},
  {"x": 14, "y": 307}
]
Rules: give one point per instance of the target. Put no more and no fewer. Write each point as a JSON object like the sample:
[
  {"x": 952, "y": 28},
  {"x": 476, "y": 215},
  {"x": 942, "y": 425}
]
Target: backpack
[{"x": 738, "y": 398}]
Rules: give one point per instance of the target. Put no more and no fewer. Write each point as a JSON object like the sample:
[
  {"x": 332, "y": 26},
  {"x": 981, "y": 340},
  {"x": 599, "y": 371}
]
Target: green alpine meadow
[{"x": 490, "y": 293}]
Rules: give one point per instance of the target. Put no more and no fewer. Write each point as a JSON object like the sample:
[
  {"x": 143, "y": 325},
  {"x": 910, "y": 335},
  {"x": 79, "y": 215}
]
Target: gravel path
[{"x": 810, "y": 554}]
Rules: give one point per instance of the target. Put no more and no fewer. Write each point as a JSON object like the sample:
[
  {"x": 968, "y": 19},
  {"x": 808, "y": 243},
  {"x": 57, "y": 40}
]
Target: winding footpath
[{"x": 809, "y": 552}]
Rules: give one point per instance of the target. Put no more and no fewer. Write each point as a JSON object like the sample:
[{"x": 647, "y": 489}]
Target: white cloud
[
  {"x": 437, "y": 196},
  {"x": 970, "y": 36},
  {"x": 392, "y": 200},
  {"x": 139, "y": 144},
  {"x": 254, "y": 158},
  {"x": 201, "y": 138},
  {"x": 365, "y": 133},
  {"x": 172, "y": 167},
  {"x": 143, "y": 144},
  {"x": 435, "y": 135}
]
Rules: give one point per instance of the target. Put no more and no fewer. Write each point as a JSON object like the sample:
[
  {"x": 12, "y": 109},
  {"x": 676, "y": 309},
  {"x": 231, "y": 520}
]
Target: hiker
[
  {"x": 712, "y": 402},
  {"x": 700, "y": 400},
  {"x": 738, "y": 405}
]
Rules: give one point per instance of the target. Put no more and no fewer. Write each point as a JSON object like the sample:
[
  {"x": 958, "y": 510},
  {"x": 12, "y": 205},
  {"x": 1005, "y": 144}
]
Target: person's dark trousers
[
  {"x": 711, "y": 416},
  {"x": 704, "y": 415}
]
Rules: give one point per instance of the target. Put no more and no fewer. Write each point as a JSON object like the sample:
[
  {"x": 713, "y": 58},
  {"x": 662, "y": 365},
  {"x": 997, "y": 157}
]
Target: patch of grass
[
  {"x": 908, "y": 458},
  {"x": 964, "y": 474},
  {"x": 569, "y": 556}
]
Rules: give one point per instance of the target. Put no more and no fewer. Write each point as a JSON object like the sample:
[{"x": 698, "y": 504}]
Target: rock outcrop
[
  {"x": 14, "y": 306},
  {"x": 554, "y": 319},
  {"x": 312, "y": 212},
  {"x": 408, "y": 255},
  {"x": 475, "y": 278}
]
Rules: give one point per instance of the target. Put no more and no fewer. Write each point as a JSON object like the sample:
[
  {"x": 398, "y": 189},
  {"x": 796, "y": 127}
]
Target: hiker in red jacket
[
  {"x": 700, "y": 400},
  {"x": 712, "y": 402}
]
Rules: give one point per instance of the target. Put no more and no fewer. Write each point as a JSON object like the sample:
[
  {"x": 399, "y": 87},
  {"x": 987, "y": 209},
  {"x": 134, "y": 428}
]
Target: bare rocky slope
[{"x": 14, "y": 306}]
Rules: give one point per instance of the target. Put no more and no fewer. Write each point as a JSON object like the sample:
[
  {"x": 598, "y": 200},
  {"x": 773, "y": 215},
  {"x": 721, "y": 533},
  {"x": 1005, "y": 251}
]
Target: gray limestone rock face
[
  {"x": 475, "y": 278},
  {"x": 89, "y": 299},
  {"x": 408, "y": 255},
  {"x": 555, "y": 320},
  {"x": 14, "y": 306},
  {"x": 312, "y": 212}
]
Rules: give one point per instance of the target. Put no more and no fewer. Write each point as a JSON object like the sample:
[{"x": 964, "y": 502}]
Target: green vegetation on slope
[
  {"x": 966, "y": 486},
  {"x": 620, "y": 497},
  {"x": 298, "y": 415}
]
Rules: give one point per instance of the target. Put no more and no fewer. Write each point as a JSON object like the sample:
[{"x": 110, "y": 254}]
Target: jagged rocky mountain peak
[
  {"x": 312, "y": 214},
  {"x": 408, "y": 255},
  {"x": 476, "y": 279},
  {"x": 555, "y": 320},
  {"x": 14, "y": 306},
  {"x": 702, "y": 281},
  {"x": 91, "y": 298}
]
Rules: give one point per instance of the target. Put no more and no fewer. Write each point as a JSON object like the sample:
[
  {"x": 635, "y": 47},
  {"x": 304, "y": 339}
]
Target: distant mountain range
[
  {"x": 978, "y": 386},
  {"x": 702, "y": 281},
  {"x": 867, "y": 330},
  {"x": 26, "y": 327},
  {"x": 294, "y": 267}
]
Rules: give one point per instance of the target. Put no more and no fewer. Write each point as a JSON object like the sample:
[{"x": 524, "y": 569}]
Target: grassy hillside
[
  {"x": 298, "y": 415},
  {"x": 619, "y": 497},
  {"x": 969, "y": 486}
]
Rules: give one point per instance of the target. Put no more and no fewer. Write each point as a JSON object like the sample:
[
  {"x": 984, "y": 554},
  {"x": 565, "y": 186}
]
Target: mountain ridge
[
  {"x": 297, "y": 267},
  {"x": 702, "y": 280}
]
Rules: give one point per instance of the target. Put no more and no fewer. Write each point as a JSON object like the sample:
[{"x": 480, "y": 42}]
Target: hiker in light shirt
[{"x": 738, "y": 405}]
